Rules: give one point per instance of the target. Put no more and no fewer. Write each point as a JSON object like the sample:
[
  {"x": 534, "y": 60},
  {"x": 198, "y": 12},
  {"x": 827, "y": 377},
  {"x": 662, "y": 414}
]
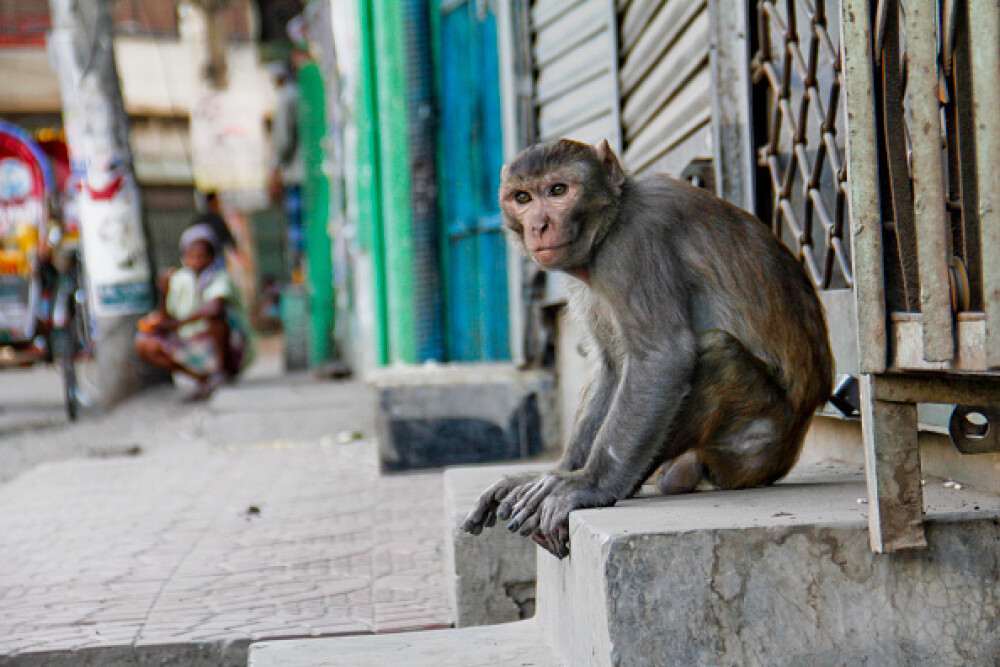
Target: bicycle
[{"x": 71, "y": 331}]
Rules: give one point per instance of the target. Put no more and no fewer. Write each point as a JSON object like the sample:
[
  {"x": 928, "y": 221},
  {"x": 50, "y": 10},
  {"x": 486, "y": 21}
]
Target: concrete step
[
  {"x": 491, "y": 576},
  {"x": 521, "y": 643},
  {"x": 774, "y": 576},
  {"x": 438, "y": 415}
]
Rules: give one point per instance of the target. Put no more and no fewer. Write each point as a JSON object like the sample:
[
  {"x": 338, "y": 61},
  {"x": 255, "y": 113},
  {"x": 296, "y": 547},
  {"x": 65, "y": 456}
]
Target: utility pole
[
  {"x": 216, "y": 70},
  {"x": 115, "y": 258}
]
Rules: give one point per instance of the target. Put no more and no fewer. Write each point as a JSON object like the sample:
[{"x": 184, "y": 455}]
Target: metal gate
[
  {"x": 887, "y": 149},
  {"x": 471, "y": 158}
]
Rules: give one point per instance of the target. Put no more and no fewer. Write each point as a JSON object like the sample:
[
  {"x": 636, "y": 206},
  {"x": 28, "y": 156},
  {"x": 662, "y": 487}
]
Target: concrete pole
[
  {"x": 216, "y": 70},
  {"x": 115, "y": 258}
]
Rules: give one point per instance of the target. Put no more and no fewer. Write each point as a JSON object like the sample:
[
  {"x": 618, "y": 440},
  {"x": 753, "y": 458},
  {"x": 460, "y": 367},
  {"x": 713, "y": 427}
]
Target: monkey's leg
[
  {"x": 681, "y": 475},
  {"x": 739, "y": 421}
]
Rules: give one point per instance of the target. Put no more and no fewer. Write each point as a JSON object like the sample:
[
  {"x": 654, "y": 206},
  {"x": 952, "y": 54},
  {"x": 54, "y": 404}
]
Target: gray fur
[{"x": 708, "y": 338}]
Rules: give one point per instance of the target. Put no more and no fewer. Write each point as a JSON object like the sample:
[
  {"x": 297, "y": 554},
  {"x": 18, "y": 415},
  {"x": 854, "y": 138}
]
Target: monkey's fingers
[
  {"x": 527, "y": 506},
  {"x": 484, "y": 513},
  {"x": 560, "y": 537},
  {"x": 541, "y": 541},
  {"x": 531, "y": 525},
  {"x": 554, "y": 523},
  {"x": 506, "y": 506}
]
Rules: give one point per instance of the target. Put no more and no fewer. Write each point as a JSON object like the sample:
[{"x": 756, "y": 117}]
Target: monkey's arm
[
  {"x": 593, "y": 410},
  {"x": 626, "y": 449},
  {"x": 594, "y": 406}
]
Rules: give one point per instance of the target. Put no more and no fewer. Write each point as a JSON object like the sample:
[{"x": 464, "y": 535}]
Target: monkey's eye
[
  {"x": 522, "y": 197},
  {"x": 558, "y": 190}
]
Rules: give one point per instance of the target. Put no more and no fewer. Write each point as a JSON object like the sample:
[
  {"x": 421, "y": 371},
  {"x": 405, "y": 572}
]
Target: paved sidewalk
[{"x": 259, "y": 522}]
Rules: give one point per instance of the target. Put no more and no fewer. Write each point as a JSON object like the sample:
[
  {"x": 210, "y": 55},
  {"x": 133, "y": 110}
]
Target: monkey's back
[{"x": 740, "y": 278}]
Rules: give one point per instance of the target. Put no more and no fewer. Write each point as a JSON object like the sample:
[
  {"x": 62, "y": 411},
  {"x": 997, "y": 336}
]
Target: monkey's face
[
  {"x": 542, "y": 215},
  {"x": 558, "y": 199}
]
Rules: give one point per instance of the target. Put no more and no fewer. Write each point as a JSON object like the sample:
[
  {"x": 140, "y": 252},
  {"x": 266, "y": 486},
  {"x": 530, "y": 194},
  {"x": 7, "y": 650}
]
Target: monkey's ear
[
  {"x": 504, "y": 172},
  {"x": 613, "y": 168}
]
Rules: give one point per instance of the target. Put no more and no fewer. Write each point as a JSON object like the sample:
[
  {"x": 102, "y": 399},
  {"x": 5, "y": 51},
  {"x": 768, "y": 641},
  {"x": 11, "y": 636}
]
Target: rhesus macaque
[{"x": 709, "y": 346}]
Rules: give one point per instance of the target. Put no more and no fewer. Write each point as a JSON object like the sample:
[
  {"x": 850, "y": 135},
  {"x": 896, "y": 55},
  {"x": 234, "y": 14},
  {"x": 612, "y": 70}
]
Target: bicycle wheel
[
  {"x": 72, "y": 337},
  {"x": 67, "y": 362}
]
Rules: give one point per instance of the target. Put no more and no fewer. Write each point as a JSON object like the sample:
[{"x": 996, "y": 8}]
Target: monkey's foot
[
  {"x": 484, "y": 514},
  {"x": 542, "y": 509}
]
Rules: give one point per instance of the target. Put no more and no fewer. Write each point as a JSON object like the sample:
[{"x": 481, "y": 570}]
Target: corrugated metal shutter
[
  {"x": 665, "y": 83},
  {"x": 575, "y": 51}
]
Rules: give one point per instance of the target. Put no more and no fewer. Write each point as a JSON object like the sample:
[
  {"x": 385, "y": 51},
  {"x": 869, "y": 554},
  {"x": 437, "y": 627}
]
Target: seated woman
[{"x": 199, "y": 328}]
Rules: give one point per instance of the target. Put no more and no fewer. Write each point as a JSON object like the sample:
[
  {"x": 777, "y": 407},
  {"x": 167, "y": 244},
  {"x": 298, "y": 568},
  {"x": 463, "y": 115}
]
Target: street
[{"x": 165, "y": 531}]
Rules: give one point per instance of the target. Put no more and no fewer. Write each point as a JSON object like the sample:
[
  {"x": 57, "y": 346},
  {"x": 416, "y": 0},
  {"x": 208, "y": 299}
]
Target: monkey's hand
[
  {"x": 484, "y": 514},
  {"x": 541, "y": 509}
]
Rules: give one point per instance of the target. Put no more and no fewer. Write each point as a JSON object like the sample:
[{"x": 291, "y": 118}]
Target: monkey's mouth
[{"x": 551, "y": 248}]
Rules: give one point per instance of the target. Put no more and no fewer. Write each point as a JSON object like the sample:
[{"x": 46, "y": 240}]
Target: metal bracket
[{"x": 975, "y": 429}]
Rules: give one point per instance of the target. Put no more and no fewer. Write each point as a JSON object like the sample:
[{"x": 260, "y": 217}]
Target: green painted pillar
[
  {"x": 390, "y": 40},
  {"x": 371, "y": 235},
  {"x": 406, "y": 114},
  {"x": 316, "y": 214}
]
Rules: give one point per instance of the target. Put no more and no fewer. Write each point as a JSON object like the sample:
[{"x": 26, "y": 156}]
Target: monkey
[{"x": 708, "y": 343}]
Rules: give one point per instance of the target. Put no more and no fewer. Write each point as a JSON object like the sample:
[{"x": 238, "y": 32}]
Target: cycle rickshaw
[{"x": 44, "y": 313}]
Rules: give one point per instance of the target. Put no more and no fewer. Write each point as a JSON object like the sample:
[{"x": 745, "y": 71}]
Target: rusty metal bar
[
  {"x": 930, "y": 215},
  {"x": 865, "y": 216},
  {"x": 892, "y": 470},
  {"x": 732, "y": 131},
  {"x": 964, "y": 140},
  {"x": 967, "y": 390},
  {"x": 895, "y": 145},
  {"x": 984, "y": 36}
]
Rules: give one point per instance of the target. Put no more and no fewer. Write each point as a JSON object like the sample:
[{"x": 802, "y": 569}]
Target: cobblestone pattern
[{"x": 230, "y": 543}]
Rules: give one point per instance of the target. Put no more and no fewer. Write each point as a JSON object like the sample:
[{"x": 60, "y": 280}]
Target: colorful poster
[{"x": 117, "y": 266}]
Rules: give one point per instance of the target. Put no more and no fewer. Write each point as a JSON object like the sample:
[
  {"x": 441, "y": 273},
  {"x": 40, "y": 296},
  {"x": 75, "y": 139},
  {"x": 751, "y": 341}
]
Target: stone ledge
[
  {"x": 780, "y": 575},
  {"x": 519, "y": 643}
]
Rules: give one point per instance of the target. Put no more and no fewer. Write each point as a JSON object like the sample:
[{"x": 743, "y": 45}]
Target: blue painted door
[{"x": 471, "y": 159}]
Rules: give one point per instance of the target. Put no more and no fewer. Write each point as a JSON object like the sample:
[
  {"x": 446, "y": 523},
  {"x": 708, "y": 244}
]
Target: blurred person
[
  {"x": 287, "y": 171},
  {"x": 212, "y": 216},
  {"x": 199, "y": 328},
  {"x": 267, "y": 314}
]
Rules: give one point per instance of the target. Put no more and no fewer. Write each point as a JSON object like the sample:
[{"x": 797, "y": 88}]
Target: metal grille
[
  {"x": 895, "y": 157},
  {"x": 796, "y": 72}
]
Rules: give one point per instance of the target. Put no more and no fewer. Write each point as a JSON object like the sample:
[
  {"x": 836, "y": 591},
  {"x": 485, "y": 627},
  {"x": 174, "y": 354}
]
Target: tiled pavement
[{"x": 243, "y": 535}]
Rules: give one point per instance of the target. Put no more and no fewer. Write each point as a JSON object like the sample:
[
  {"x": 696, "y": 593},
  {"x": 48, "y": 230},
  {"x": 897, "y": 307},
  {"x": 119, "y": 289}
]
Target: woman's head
[{"x": 199, "y": 247}]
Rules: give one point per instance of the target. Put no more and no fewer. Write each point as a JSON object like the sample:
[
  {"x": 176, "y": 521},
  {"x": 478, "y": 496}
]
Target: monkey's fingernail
[{"x": 513, "y": 526}]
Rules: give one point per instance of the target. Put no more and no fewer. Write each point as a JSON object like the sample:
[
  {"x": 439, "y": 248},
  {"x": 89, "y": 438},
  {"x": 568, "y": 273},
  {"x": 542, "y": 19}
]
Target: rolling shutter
[
  {"x": 574, "y": 48},
  {"x": 665, "y": 83}
]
